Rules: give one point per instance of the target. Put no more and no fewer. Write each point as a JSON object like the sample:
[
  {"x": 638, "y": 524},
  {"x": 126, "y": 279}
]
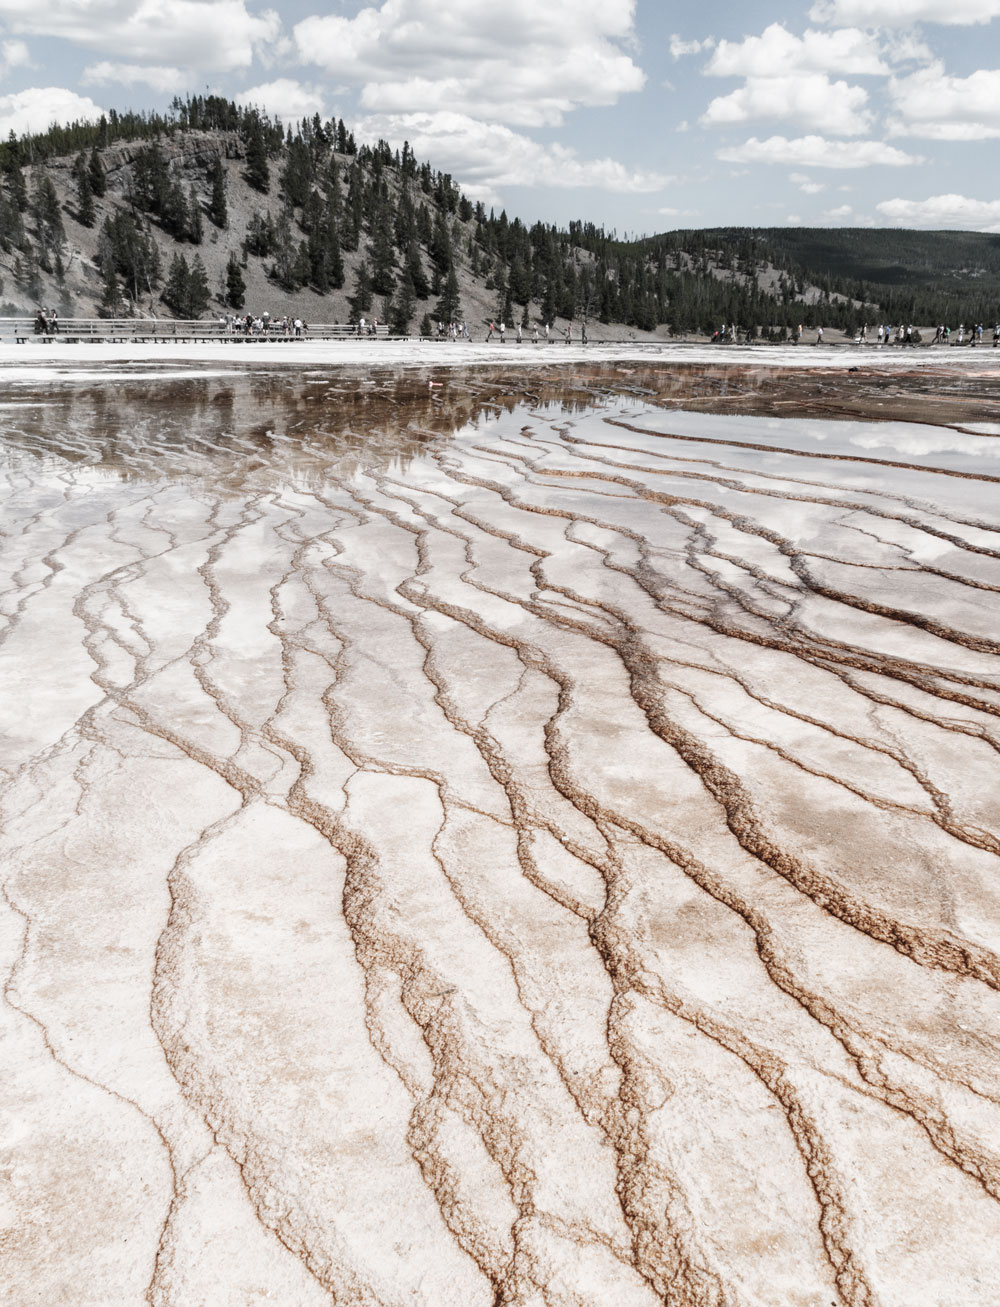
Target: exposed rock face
[
  {"x": 553, "y": 864},
  {"x": 188, "y": 154}
]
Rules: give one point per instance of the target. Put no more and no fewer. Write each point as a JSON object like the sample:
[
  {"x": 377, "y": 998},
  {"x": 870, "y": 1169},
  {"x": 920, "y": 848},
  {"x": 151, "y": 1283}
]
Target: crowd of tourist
[
  {"x": 249, "y": 324},
  {"x": 46, "y": 322},
  {"x": 883, "y": 334}
]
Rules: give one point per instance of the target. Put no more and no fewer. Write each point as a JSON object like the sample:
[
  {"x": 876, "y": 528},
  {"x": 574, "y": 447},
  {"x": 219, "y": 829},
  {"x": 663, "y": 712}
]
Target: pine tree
[
  {"x": 415, "y": 271},
  {"x": 520, "y": 280},
  {"x": 236, "y": 287},
  {"x": 174, "y": 213},
  {"x": 382, "y": 255},
  {"x": 440, "y": 249},
  {"x": 334, "y": 258},
  {"x": 98, "y": 181},
  {"x": 85, "y": 213},
  {"x": 284, "y": 268},
  {"x": 361, "y": 300},
  {"x": 130, "y": 252},
  {"x": 449, "y": 307},
  {"x": 296, "y": 176},
  {"x": 353, "y": 210},
  {"x": 401, "y": 309},
  {"x": 319, "y": 272},
  {"x": 331, "y": 186},
  {"x": 217, "y": 208},
  {"x": 195, "y": 226},
  {"x": 175, "y": 292},
  {"x": 258, "y": 174},
  {"x": 45, "y": 211},
  {"x": 405, "y": 223},
  {"x": 198, "y": 294}
]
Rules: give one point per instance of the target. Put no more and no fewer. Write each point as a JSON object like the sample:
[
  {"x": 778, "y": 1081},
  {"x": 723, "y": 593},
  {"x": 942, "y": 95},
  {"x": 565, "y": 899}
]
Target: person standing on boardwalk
[
  {"x": 503, "y": 333},
  {"x": 819, "y": 335},
  {"x": 534, "y": 334},
  {"x": 489, "y": 334},
  {"x": 583, "y": 334},
  {"x": 519, "y": 333}
]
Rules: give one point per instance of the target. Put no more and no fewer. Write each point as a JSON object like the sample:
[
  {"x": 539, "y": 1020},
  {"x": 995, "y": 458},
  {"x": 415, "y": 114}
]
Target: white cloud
[
  {"x": 165, "y": 80},
  {"x": 484, "y": 157},
  {"x": 907, "y": 48},
  {"x": 904, "y": 13},
  {"x": 793, "y": 219},
  {"x": 937, "y": 107},
  {"x": 219, "y": 34},
  {"x": 817, "y": 152},
  {"x": 14, "y": 54},
  {"x": 37, "y": 108},
  {"x": 836, "y": 215},
  {"x": 520, "y": 62},
  {"x": 808, "y": 187},
  {"x": 679, "y": 48},
  {"x": 777, "y": 51},
  {"x": 943, "y": 211},
  {"x": 284, "y": 99},
  {"x": 808, "y": 99}
]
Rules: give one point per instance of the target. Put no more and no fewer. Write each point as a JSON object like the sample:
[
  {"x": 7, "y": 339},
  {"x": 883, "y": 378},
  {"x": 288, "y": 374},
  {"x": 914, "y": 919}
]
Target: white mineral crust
[{"x": 550, "y": 864}]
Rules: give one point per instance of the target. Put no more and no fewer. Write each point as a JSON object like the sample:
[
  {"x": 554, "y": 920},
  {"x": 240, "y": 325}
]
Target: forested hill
[
  {"x": 917, "y": 276},
  {"x": 212, "y": 207}
]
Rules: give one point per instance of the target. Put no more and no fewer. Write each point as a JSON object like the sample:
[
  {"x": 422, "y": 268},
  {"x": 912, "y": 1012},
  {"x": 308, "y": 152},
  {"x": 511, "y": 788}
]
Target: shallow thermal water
[{"x": 474, "y": 844}]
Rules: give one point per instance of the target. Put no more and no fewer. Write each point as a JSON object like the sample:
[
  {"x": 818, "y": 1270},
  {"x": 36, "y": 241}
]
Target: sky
[{"x": 638, "y": 115}]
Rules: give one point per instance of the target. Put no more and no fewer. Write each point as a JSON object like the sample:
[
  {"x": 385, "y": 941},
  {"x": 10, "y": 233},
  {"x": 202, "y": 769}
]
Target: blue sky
[{"x": 639, "y": 114}]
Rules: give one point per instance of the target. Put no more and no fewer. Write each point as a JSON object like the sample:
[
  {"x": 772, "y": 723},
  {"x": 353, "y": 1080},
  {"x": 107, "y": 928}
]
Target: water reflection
[{"x": 294, "y": 424}]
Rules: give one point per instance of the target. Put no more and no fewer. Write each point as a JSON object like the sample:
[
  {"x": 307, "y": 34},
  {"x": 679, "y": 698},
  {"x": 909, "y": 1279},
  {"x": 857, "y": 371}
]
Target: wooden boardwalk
[
  {"x": 152, "y": 331},
  {"x": 165, "y": 331}
]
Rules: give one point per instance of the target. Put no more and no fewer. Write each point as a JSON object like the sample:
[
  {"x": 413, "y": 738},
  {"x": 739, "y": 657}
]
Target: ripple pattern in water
[{"x": 532, "y": 853}]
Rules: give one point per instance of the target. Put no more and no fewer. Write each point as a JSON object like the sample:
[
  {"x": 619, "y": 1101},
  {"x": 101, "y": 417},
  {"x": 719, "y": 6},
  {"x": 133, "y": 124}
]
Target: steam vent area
[{"x": 500, "y": 836}]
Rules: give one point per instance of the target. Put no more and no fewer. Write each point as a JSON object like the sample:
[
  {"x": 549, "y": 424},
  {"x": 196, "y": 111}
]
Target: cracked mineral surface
[{"x": 506, "y": 838}]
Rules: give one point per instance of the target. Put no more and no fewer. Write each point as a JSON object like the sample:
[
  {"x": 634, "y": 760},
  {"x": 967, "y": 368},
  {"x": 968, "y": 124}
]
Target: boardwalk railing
[{"x": 165, "y": 330}]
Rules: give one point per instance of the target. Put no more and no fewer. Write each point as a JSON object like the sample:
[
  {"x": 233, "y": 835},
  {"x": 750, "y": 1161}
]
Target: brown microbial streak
[
  {"x": 900, "y": 1099},
  {"x": 923, "y": 675},
  {"x": 674, "y": 1268},
  {"x": 808, "y": 454},
  {"x": 798, "y": 557}
]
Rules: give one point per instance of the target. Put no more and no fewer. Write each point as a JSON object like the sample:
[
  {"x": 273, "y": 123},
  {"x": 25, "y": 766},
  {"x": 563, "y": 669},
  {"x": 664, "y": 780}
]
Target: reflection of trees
[{"x": 292, "y": 425}]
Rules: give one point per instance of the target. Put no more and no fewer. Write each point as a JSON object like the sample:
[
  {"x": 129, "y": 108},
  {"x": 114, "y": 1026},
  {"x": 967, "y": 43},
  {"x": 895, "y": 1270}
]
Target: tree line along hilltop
[{"x": 214, "y": 208}]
